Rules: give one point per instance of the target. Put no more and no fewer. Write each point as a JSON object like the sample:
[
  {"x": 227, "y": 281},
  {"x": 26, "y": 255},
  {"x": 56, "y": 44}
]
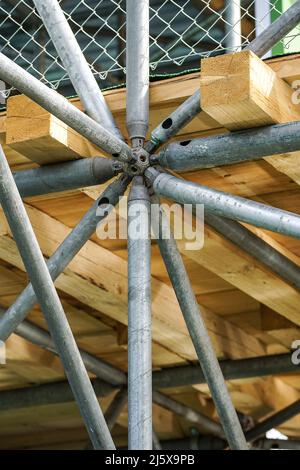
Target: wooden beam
[
  {"x": 247, "y": 274},
  {"x": 31, "y": 363},
  {"x": 51, "y": 140},
  {"x": 98, "y": 278},
  {"x": 244, "y": 272},
  {"x": 91, "y": 333},
  {"x": 41, "y": 137},
  {"x": 240, "y": 91}
]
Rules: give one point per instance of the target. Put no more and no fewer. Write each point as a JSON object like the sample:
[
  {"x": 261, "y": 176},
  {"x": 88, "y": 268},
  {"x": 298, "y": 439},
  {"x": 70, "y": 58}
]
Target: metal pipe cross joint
[{"x": 139, "y": 163}]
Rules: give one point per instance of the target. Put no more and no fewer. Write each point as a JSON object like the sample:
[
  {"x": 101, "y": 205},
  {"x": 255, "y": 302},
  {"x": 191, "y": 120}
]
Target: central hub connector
[{"x": 139, "y": 162}]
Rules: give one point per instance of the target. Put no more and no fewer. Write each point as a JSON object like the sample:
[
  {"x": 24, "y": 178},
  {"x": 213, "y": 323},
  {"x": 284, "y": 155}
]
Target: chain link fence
[{"x": 181, "y": 33}]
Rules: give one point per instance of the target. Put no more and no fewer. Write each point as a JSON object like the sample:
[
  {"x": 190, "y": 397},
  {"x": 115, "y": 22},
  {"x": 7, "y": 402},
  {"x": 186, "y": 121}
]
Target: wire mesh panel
[{"x": 181, "y": 33}]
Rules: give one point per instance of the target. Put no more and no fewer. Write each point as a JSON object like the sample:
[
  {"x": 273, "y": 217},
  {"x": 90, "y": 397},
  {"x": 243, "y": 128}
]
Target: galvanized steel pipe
[
  {"x": 139, "y": 319},
  {"x": 75, "y": 64},
  {"x": 192, "y": 106},
  {"x": 273, "y": 421},
  {"x": 257, "y": 248},
  {"x": 225, "y": 205},
  {"x": 65, "y": 253},
  {"x": 198, "y": 332},
  {"x": 227, "y": 149},
  {"x": 259, "y": 366},
  {"x": 51, "y": 306},
  {"x": 233, "y": 24},
  {"x": 66, "y": 176},
  {"x": 287, "y": 21},
  {"x": 60, "y": 107},
  {"x": 137, "y": 68}
]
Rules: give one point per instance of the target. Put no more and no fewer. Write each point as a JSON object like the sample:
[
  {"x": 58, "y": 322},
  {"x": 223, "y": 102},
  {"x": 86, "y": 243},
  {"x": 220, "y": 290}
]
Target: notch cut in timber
[{"x": 240, "y": 91}]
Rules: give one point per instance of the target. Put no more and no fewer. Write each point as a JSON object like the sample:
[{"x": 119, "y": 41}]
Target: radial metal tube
[
  {"x": 137, "y": 68},
  {"x": 65, "y": 253},
  {"x": 273, "y": 421},
  {"x": 233, "y": 23},
  {"x": 65, "y": 176},
  {"x": 227, "y": 149},
  {"x": 192, "y": 106},
  {"x": 61, "y": 108},
  {"x": 276, "y": 31},
  {"x": 75, "y": 64},
  {"x": 174, "y": 122},
  {"x": 51, "y": 306},
  {"x": 139, "y": 319},
  {"x": 198, "y": 332},
  {"x": 225, "y": 205}
]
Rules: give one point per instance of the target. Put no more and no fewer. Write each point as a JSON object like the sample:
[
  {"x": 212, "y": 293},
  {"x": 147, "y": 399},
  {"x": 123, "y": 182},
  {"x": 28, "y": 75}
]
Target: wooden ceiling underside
[{"x": 249, "y": 311}]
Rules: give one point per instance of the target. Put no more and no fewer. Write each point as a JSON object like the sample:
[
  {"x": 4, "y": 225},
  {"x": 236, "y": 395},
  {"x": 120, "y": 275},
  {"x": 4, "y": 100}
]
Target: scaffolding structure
[{"x": 146, "y": 169}]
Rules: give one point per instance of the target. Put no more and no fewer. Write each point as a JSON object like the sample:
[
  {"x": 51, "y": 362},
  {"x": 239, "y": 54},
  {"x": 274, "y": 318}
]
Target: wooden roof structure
[{"x": 249, "y": 310}]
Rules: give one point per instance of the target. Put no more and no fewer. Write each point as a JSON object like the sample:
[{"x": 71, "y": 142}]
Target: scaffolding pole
[
  {"x": 174, "y": 122},
  {"x": 46, "y": 394},
  {"x": 230, "y": 148},
  {"x": 186, "y": 112},
  {"x": 65, "y": 253},
  {"x": 256, "y": 247},
  {"x": 61, "y": 108},
  {"x": 139, "y": 319},
  {"x": 224, "y": 204},
  {"x": 273, "y": 421},
  {"x": 114, "y": 410},
  {"x": 198, "y": 332},
  {"x": 137, "y": 70},
  {"x": 276, "y": 31},
  {"x": 51, "y": 306},
  {"x": 261, "y": 366},
  {"x": 75, "y": 64},
  {"x": 87, "y": 172},
  {"x": 233, "y": 25},
  {"x": 111, "y": 376},
  {"x": 65, "y": 176}
]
